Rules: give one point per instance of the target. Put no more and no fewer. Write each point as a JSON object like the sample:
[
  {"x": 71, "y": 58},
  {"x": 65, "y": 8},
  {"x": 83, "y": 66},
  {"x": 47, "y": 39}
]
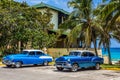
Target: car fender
[{"x": 97, "y": 60}]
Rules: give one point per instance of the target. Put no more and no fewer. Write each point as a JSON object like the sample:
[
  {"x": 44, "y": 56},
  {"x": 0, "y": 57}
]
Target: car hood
[{"x": 65, "y": 58}]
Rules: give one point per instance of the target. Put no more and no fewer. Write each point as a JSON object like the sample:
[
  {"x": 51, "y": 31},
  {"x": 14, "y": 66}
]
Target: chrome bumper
[
  {"x": 7, "y": 62},
  {"x": 63, "y": 65}
]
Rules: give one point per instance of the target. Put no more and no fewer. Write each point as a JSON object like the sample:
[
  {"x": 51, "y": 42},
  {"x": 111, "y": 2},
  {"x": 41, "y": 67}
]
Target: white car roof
[
  {"x": 32, "y": 50},
  {"x": 80, "y": 51}
]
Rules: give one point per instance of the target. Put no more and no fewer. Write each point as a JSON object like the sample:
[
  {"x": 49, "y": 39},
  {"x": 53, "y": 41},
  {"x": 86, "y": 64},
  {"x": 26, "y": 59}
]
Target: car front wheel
[
  {"x": 18, "y": 64},
  {"x": 59, "y": 68},
  {"x": 74, "y": 67}
]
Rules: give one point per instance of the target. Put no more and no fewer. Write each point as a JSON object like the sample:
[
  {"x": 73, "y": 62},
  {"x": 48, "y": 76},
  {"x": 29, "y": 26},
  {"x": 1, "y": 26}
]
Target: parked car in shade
[
  {"x": 78, "y": 59},
  {"x": 27, "y": 57}
]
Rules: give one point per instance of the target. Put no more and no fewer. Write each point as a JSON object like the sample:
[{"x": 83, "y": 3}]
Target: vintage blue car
[
  {"x": 27, "y": 57},
  {"x": 78, "y": 59}
]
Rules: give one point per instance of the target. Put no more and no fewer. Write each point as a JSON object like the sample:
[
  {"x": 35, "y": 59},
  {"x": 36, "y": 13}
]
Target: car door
[
  {"x": 91, "y": 56},
  {"x": 31, "y": 58},
  {"x": 38, "y": 57},
  {"x": 85, "y": 59}
]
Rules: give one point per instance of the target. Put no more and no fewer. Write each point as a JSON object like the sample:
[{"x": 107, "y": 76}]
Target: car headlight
[{"x": 68, "y": 60}]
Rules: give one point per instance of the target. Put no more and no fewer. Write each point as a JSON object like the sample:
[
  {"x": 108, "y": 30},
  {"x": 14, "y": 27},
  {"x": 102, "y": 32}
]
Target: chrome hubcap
[
  {"x": 18, "y": 64},
  {"x": 97, "y": 66},
  {"x": 75, "y": 68}
]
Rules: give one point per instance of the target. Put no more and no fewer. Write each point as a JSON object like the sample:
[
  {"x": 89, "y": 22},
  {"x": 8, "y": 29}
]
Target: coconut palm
[
  {"x": 83, "y": 24},
  {"x": 109, "y": 14}
]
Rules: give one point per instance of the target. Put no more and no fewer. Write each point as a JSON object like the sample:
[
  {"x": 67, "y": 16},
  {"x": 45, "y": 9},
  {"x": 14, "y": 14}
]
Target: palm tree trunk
[
  {"x": 109, "y": 56},
  {"x": 95, "y": 47},
  {"x": 19, "y": 46}
]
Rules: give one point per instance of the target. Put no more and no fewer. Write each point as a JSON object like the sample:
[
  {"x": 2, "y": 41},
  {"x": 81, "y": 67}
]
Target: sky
[
  {"x": 57, "y": 3},
  {"x": 113, "y": 44}
]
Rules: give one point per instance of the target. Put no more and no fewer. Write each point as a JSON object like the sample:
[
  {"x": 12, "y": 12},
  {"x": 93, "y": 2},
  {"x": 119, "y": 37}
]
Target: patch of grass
[
  {"x": 52, "y": 63},
  {"x": 110, "y": 66}
]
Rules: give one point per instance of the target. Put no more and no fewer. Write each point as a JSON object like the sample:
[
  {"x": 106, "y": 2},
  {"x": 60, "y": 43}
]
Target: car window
[
  {"x": 91, "y": 54},
  {"x": 84, "y": 54},
  {"x": 24, "y": 52},
  {"x": 39, "y": 53},
  {"x": 75, "y": 53},
  {"x": 32, "y": 53}
]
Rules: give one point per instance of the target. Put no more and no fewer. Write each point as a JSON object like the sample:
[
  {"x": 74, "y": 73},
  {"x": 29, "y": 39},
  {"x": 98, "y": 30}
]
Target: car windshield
[
  {"x": 74, "y": 53},
  {"x": 24, "y": 52}
]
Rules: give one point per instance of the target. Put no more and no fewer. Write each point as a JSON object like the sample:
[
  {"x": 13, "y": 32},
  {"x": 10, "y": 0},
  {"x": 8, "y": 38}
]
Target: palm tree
[
  {"x": 109, "y": 14},
  {"x": 82, "y": 23}
]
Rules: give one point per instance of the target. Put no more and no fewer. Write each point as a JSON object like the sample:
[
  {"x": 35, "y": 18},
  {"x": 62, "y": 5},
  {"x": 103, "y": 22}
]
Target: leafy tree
[
  {"x": 42, "y": 39},
  {"x": 22, "y": 24}
]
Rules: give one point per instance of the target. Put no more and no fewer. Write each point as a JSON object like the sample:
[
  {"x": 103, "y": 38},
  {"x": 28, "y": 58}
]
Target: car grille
[
  {"x": 61, "y": 63},
  {"x": 5, "y": 61}
]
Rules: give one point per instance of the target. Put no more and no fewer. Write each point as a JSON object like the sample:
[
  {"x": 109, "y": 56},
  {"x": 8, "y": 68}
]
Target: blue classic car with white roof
[
  {"x": 27, "y": 57},
  {"x": 78, "y": 59}
]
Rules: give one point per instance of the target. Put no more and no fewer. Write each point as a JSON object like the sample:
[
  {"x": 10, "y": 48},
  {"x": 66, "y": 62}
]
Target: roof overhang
[{"x": 43, "y": 5}]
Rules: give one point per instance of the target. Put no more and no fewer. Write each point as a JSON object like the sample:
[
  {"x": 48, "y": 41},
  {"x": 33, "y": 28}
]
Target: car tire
[
  {"x": 18, "y": 64},
  {"x": 45, "y": 63},
  {"x": 8, "y": 66},
  {"x": 97, "y": 67},
  {"x": 59, "y": 68},
  {"x": 74, "y": 68}
]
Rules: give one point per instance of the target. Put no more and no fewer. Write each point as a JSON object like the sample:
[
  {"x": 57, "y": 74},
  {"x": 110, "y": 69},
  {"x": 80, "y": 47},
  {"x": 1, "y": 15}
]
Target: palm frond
[{"x": 109, "y": 9}]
